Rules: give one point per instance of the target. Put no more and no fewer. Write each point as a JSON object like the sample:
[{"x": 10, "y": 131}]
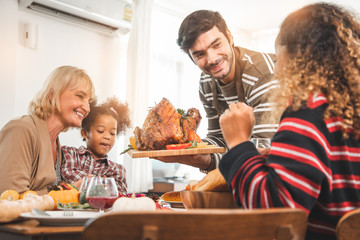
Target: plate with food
[
  {"x": 75, "y": 206},
  {"x": 78, "y": 209},
  {"x": 175, "y": 204},
  {"x": 168, "y": 131},
  {"x": 173, "y": 199}
]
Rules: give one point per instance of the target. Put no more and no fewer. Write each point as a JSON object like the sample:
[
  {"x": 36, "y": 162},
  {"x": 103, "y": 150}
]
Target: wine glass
[
  {"x": 261, "y": 142},
  {"x": 262, "y": 145},
  {"x": 85, "y": 183},
  {"x": 82, "y": 189},
  {"x": 101, "y": 193}
]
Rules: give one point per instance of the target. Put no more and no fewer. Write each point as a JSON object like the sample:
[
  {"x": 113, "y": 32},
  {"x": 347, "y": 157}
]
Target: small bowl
[{"x": 204, "y": 199}]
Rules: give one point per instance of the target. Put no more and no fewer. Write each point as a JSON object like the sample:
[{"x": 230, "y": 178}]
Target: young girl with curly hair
[
  {"x": 99, "y": 131},
  {"x": 314, "y": 159}
]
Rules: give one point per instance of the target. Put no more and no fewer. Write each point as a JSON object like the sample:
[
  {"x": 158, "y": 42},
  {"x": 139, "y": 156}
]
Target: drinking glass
[
  {"x": 84, "y": 183},
  {"x": 101, "y": 193},
  {"x": 261, "y": 142}
]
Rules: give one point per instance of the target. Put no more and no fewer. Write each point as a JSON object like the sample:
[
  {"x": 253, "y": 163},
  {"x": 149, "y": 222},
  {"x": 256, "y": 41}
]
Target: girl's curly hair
[
  {"x": 113, "y": 107},
  {"x": 323, "y": 46}
]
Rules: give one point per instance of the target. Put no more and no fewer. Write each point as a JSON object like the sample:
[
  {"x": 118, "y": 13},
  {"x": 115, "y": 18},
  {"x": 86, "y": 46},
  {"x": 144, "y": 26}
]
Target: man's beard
[{"x": 230, "y": 60}]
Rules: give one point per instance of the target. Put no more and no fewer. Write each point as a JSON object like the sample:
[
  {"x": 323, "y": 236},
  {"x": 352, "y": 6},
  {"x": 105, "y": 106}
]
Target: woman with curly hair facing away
[
  {"x": 99, "y": 131},
  {"x": 314, "y": 159}
]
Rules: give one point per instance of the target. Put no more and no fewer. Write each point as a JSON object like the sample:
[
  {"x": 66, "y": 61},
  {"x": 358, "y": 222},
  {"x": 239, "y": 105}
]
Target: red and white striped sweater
[{"x": 310, "y": 166}]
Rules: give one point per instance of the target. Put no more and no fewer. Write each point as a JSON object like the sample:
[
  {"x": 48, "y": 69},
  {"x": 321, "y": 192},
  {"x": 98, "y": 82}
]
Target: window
[{"x": 173, "y": 76}]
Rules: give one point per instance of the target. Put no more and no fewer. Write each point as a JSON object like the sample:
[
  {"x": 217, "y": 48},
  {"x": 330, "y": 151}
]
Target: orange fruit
[
  {"x": 10, "y": 195},
  {"x": 28, "y": 194}
]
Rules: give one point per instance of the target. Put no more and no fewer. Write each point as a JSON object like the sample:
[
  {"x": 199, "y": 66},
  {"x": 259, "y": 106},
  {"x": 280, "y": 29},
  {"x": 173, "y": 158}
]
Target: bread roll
[
  {"x": 213, "y": 181},
  {"x": 26, "y": 206},
  {"x": 4, "y": 210},
  {"x": 48, "y": 203},
  {"x": 11, "y": 210},
  {"x": 171, "y": 197}
]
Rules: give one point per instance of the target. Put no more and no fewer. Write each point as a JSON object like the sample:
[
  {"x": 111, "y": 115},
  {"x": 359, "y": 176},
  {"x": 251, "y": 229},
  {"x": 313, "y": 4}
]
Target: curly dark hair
[
  {"x": 322, "y": 43},
  {"x": 112, "y": 106},
  {"x": 197, "y": 23}
]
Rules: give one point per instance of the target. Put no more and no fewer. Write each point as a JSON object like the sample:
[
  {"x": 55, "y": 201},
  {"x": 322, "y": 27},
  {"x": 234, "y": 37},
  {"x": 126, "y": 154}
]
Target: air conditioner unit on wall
[{"x": 107, "y": 16}]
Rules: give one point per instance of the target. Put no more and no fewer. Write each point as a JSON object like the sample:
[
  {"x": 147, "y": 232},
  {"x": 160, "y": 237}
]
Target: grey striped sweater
[{"x": 257, "y": 81}]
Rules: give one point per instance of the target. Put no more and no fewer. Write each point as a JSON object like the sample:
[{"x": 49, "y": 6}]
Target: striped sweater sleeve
[
  {"x": 310, "y": 166},
  {"x": 293, "y": 173}
]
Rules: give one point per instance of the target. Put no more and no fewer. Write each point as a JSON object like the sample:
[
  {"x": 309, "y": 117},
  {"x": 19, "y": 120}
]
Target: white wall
[
  {"x": 262, "y": 41},
  {"x": 24, "y": 70},
  {"x": 8, "y": 44}
]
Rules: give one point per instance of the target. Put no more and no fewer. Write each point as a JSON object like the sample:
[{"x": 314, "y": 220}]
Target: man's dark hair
[{"x": 197, "y": 23}]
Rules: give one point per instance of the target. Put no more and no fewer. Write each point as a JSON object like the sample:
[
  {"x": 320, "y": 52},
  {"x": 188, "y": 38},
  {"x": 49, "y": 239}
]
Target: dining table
[
  {"x": 38, "y": 229},
  {"x": 31, "y": 229}
]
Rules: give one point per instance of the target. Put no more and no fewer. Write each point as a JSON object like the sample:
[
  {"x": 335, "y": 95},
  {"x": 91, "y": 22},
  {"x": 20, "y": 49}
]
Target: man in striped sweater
[
  {"x": 314, "y": 161},
  {"x": 230, "y": 74}
]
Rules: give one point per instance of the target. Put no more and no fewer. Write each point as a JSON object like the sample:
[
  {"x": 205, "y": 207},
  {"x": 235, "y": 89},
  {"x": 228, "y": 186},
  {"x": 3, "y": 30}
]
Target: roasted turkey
[{"x": 165, "y": 125}]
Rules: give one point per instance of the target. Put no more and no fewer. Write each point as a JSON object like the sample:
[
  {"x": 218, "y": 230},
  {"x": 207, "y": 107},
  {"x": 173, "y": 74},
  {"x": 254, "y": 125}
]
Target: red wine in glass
[
  {"x": 101, "y": 193},
  {"x": 101, "y": 202}
]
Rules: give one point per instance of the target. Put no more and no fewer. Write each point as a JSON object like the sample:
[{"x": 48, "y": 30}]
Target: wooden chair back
[
  {"x": 261, "y": 224},
  {"x": 348, "y": 227}
]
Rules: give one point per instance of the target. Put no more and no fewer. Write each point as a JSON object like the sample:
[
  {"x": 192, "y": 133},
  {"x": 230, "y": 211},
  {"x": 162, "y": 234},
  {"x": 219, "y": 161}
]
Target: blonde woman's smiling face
[{"x": 74, "y": 106}]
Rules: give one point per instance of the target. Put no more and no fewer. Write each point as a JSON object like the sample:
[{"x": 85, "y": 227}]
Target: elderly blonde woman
[
  {"x": 314, "y": 161},
  {"x": 30, "y": 150}
]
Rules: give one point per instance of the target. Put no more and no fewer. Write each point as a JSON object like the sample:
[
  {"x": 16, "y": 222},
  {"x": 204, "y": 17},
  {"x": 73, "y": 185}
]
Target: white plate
[
  {"x": 57, "y": 218},
  {"x": 174, "y": 204},
  {"x": 81, "y": 209}
]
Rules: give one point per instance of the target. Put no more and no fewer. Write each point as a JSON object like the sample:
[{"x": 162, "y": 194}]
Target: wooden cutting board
[{"x": 164, "y": 153}]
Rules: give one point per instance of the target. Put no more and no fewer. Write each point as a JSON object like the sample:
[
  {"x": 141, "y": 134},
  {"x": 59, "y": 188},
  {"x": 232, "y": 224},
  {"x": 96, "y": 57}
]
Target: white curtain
[{"x": 139, "y": 170}]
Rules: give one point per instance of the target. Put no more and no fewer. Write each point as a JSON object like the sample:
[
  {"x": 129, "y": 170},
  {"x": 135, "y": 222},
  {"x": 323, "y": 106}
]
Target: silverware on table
[
  {"x": 40, "y": 212},
  {"x": 68, "y": 212}
]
